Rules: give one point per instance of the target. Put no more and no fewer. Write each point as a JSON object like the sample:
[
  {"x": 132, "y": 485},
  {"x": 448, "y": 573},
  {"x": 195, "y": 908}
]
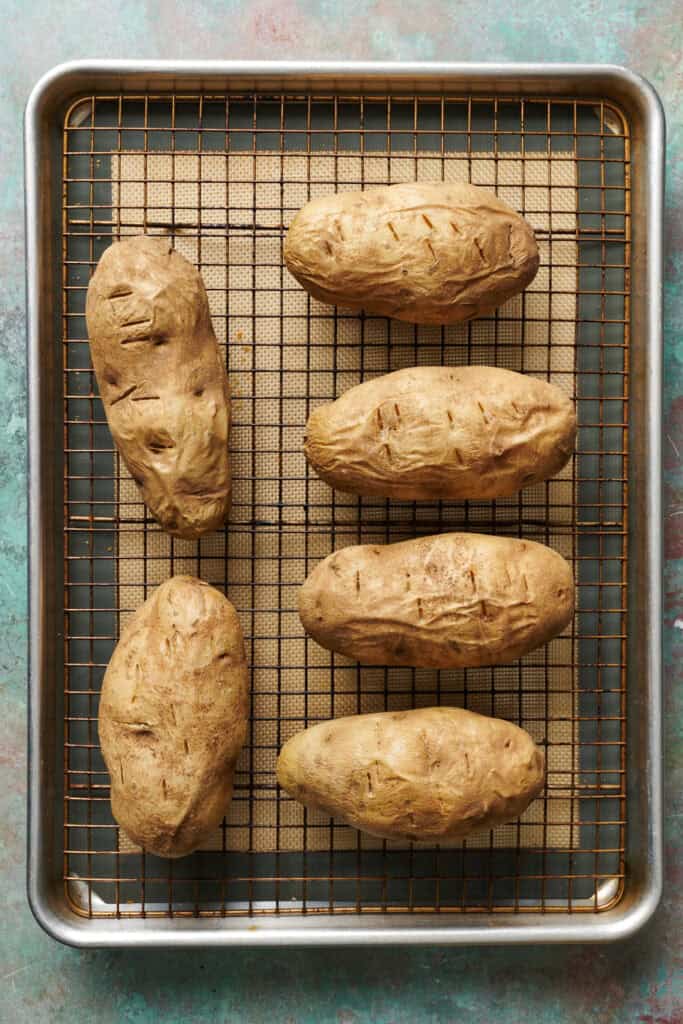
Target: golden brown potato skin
[
  {"x": 173, "y": 716},
  {"x": 163, "y": 384},
  {"x": 431, "y": 432},
  {"x": 455, "y": 600},
  {"x": 428, "y": 775},
  {"x": 426, "y": 252}
]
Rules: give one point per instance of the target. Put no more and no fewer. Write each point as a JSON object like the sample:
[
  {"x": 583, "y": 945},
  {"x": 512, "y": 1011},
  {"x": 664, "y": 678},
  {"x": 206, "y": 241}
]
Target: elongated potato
[
  {"x": 430, "y": 775},
  {"x": 431, "y": 432},
  {"x": 173, "y": 716},
  {"x": 449, "y": 601},
  {"x": 425, "y": 252},
  {"x": 162, "y": 381}
]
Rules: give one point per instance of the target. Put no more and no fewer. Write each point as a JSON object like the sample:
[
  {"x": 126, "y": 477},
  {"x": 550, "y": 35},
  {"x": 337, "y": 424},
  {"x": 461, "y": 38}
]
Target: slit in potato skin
[
  {"x": 124, "y": 394},
  {"x": 120, "y": 292}
]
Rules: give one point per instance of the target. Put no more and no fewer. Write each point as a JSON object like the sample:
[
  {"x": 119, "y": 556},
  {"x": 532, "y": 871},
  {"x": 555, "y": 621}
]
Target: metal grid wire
[{"x": 582, "y": 871}]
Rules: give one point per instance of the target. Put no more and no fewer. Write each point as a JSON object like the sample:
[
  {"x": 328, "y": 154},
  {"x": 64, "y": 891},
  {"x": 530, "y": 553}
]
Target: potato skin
[
  {"x": 163, "y": 384},
  {"x": 428, "y": 253},
  {"x": 173, "y": 716},
  {"x": 431, "y": 432},
  {"x": 454, "y": 600},
  {"x": 427, "y": 775}
]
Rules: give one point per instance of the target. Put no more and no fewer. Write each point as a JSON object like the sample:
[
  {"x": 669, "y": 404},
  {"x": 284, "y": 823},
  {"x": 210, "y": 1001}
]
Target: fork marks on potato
[{"x": 124, "y": 394}]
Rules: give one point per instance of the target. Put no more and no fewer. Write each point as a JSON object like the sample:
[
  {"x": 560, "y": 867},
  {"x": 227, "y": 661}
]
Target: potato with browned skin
[
  {"x": 173, "y": 716},
  {"x": 442, "y": 432},
  {"x": 431, "y": 775},
  {"x": 454, "y": 600},
  {"x": 162, "y": 381},
  {"x": 425, "y": 252}
]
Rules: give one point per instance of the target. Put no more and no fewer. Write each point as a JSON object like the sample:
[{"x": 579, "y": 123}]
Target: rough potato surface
[
  {"x": 162, "y": 381},
  {"x": 455, "y": 600},
  {"x": 429, "y": 253},
  {"x": 173, "y": 716},
  {"x": 430, "y": 775},
  {"x": 431, "y": 432}
]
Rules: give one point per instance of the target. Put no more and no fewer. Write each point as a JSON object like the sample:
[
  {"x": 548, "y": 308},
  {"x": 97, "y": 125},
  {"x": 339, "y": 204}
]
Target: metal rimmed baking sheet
[{"x": 317, "y": 875}]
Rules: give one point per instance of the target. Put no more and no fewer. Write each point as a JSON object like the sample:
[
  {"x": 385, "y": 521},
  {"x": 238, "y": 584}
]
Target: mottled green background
[{"x": 636, "y": 981}]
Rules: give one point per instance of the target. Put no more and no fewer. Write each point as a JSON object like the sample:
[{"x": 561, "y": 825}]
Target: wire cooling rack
[{"x": 223, "y": 175}]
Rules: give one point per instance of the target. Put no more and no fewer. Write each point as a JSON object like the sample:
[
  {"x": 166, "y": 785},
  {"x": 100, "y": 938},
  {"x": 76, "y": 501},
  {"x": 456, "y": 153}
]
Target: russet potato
[
  {"x": 442, "y": 432},
  {"x": 454, "y": 600},
  {"x": 162, "y": 381},
  {"x": 425, "y": 252},
  {"x": 429, "y": 775},
  {"x": 173, "y": 716}
]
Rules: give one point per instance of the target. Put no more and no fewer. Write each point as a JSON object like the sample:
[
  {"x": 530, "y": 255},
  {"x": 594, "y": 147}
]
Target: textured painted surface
[{"x": 639, "y": 980}]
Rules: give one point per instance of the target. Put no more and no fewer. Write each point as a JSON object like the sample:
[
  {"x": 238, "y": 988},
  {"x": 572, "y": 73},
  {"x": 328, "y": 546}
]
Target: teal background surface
[{"x": 639, "y": 980}]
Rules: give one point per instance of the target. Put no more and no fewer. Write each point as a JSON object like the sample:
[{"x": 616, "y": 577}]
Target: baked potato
[
  {"x": 428, "y": 253},
  {"x": 162, "y": 381},
  {"x": 454, "y": 600},
  {"x": 429, "y": 775},
  {"x": 431, "y": 432},
  {"x": 173, "y": 716}
]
